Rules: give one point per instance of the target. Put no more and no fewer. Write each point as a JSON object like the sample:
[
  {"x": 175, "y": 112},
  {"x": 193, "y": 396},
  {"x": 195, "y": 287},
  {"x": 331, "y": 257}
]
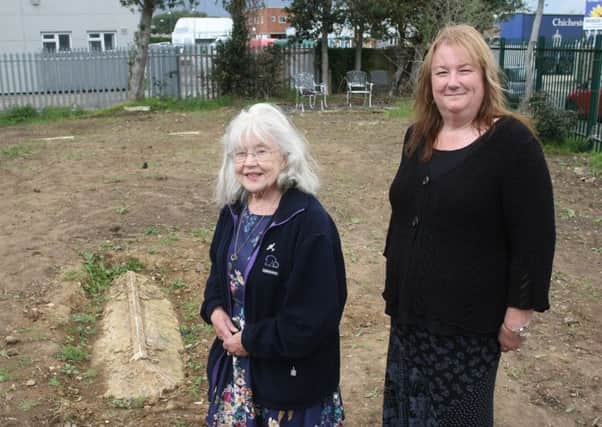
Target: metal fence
[
  {"x": 569, "y": 72},
  {"x": 93, "y": 79}
]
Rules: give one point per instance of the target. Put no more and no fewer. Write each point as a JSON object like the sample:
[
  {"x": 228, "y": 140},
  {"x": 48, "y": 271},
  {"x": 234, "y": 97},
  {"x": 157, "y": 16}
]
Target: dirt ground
[{"x": 62, "y": 198}]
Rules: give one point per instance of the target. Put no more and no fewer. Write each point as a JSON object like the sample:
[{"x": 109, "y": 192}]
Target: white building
[{"x": 59, "y": 25}]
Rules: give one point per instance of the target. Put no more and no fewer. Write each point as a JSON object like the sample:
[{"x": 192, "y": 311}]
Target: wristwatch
[{"x": 522, "y": 332}]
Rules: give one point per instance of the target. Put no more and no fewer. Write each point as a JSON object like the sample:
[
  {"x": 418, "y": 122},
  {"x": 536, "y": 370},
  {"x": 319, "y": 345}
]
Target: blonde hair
[
  {"x": 428, "y": 118},
  {"x": 267, "y": 123}
]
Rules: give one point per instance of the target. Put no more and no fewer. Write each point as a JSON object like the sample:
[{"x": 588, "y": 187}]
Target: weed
[
  {"x": 190, "y": 334},
  {"x": 74, "y": 354},
  {"x": 195, "y": 365},
  {"x": 54, "y": 382},
  {"x": 152, "y": 251},
  {"x": 121, "y": 210},
  {"x": 83, "y": 318},
  {"x": 178, "y": 284},
  {"x": 21, "y": 150},
  {"x": 152, "y": 230},
  {"x": 170, "y": 238},
  {"x": 172, "y": 104},
  {"x": 568, "y": 213},
  {"x": 69, "y": 370},
  {"x": 100, "y": 276},
  {"x": 202, "y": 233},
  {"x": 4, "y": 375},
  {"x": 191, "y": 310},
  {"x": 28, "y": 404},
  {"x": 134, "y": 403},
  {"x": 29, "y": 114}
]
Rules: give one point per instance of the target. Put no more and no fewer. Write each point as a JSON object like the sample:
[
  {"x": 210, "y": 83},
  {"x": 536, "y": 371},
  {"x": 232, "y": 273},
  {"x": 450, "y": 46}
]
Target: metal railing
[
  {"x": 93, "y": 79},
  {"x": 568, "y": 71}
]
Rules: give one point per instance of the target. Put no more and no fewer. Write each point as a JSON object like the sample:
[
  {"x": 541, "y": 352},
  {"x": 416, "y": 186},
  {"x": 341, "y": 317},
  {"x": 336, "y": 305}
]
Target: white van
[{"x": 200, "y": 31}]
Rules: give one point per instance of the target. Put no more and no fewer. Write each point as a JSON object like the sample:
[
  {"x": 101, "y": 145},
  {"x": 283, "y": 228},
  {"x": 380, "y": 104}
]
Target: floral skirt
[
  {"x": 231, "y": 404},
  {"x": 439, "y": 381}
]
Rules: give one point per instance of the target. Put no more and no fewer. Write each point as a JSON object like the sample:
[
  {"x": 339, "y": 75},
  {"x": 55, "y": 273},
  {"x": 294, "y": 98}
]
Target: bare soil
[{"x": 62, "y": 198}]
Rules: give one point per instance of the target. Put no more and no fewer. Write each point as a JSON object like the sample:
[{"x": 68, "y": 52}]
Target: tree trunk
[
  {"x": 136, "y": 82},
  {"x": 324, "y": 52},
  {"x": 359, "y": 44},
  {"x": 530, "y": 75}
]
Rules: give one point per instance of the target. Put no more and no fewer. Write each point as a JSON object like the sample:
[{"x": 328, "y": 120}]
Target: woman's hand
[
  {"x": 224, "y": 328},
  {"x": 233, "y": 345},
  {"x": 513, "y": 320}
]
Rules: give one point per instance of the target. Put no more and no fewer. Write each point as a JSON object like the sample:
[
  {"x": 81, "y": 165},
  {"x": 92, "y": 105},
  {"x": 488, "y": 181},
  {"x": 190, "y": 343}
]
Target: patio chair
[
  {"x": 357, "y": 83},
  {"x": 306, "y": 87},
  {"x": 381, "y": 81}
]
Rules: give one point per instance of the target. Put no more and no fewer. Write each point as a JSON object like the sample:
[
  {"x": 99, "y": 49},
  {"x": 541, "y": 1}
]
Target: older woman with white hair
[{"x": 277, "y": 287}]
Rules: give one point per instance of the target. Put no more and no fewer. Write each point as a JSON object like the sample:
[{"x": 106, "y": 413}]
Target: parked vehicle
[
  {"x": 516, "y": 77},
  {"x": 203, "y": 31},
  {"x": 580, "y": 100}
]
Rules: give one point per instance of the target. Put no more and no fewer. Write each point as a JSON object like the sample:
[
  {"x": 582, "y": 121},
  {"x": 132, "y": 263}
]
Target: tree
[
  {"x": 164, "y": 23},
  {"x": 418, "y": 22},
  {"x": 146, "y": 8},
  {"x": 234, "y": 62},
  {"x": 529, "y": 76},
  {"x": 365, "y": 16},
  {"x": 315, "y": 19}
]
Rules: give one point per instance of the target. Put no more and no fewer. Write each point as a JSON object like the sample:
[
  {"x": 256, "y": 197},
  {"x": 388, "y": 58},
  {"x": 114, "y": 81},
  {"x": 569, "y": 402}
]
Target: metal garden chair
[
  {"x": 357, "y": 83},
  {"x": 306, "y": 87}
]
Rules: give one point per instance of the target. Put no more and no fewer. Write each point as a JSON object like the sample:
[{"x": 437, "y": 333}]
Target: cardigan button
[
  {"x": 426, "y": 180},
  {"x": 415, "y": 221}
]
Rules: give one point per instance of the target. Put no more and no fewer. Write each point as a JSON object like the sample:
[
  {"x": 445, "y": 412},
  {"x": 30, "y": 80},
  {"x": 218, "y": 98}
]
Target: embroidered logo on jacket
[{"x": 271, "y": 265}]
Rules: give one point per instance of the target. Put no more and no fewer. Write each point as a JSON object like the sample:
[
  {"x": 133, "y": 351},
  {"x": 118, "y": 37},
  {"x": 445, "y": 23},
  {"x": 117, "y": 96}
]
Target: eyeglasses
[{"x": 261, "y": 155}]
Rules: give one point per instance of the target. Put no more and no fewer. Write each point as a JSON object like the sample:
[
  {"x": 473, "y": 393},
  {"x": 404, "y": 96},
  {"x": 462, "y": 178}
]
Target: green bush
[{"x": 553, "y": 125}]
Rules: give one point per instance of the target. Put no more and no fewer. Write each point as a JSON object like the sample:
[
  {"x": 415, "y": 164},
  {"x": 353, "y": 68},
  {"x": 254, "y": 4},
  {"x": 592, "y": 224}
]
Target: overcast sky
[{"x": 551, "y": 7}]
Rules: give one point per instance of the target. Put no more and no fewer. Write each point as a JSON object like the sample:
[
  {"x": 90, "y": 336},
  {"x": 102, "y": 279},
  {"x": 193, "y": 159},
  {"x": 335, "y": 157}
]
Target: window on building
[
  {"x": 273, "y": 19},
  {"x": 56, "y": 42},
  {"x": 262, "y": 19},
  {"x": 101, "y": 41},
  {"x": 282, "y": 19}
]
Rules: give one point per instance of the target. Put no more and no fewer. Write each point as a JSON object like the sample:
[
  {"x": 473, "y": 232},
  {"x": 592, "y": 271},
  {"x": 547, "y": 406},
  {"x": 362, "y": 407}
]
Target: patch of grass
[
  {"x": 100, "y": 275},
  {"x": 569, "y": 145},
  {"x": 203, "y": 234},
  {"x": 121, "y": 210},
  {"x": 401, "y": 110},
  {"x": 54, "y": 382},
  {"x": 29, "y": 114},
  {"x": 135, "y": 403},
  {"x": 178, "y": 284},
  {"x": 25, "y": 362},
  {"x": 28, "y": 404},
  {"x": 568, "y": 213},
  {"x": 152, "y": 230},
  {"x": 73, "y": 354},
  {"x": 69, "y": 370},
  {"x": 21, "y": 150},
  {"x": 596, "y": 163},
  {"x": 171, "y": 104},
  {"x": 191, "y": 310},
  {"x": 4, "y": 377},
  {"x": 170, "y": 238}
]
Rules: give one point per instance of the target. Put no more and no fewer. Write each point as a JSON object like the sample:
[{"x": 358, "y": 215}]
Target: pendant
[
  {"x": 293, "y": 372},
  {"x": 233, "y": 257}
]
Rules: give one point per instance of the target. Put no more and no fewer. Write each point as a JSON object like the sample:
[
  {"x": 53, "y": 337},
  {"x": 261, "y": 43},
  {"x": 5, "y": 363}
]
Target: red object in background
[
  {"x": 580, "y": 100},
  {"x": 261, "y": 42}
]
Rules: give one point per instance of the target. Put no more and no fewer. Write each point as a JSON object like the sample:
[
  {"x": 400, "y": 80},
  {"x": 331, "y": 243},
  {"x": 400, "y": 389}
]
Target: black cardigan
[{"x": 464, "y": 246}]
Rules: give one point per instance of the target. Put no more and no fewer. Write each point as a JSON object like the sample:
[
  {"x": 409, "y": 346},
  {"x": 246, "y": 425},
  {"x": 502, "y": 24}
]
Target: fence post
[
  {"x": 595, "y": 86},
  {"x": 539, "y": 63},
  {"x": 502, "y": 52}
]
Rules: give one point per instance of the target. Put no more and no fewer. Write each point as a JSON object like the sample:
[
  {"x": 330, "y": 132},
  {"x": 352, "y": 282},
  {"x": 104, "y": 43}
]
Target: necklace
[{"x": 237, "y": 249}]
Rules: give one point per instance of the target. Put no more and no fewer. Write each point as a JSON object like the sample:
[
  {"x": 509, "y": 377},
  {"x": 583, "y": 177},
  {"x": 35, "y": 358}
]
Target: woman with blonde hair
[
  {"x": 277, "y": 286},
  {"x": 470, "y": 242}
]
